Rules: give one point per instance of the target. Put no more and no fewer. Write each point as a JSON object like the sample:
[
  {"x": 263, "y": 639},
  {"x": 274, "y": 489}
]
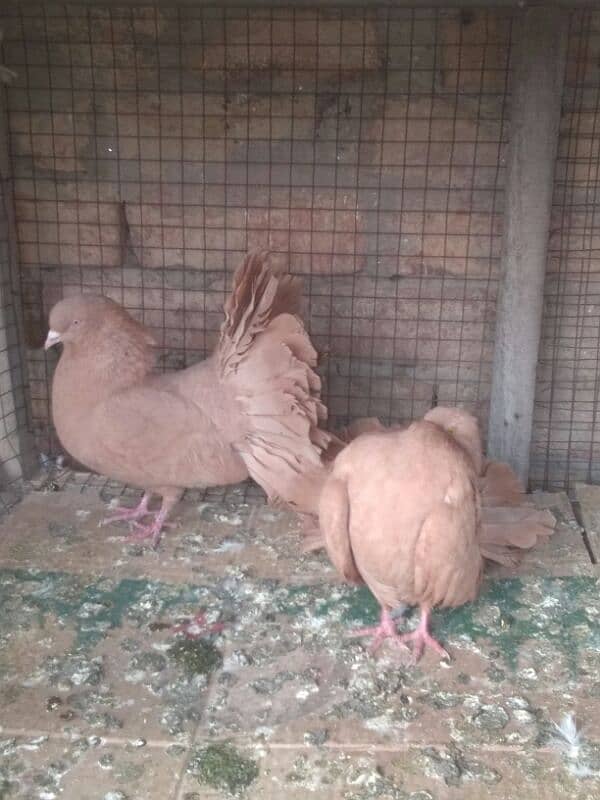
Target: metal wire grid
[
  {"x": 10, "y": 464},
  {"x": 566, "y": 438},
  {"x": 153, "y": 148},
  {"x": 56, "y": 478},
  {"x": 16, "y": 448}
]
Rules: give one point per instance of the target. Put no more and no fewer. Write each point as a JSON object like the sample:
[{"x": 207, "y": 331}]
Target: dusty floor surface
[{"x": 108, "y": 691}]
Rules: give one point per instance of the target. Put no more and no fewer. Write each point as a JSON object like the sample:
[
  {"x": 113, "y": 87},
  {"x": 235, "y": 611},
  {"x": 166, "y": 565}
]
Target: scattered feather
[
  {"x": 569, "y": 735},
  {"x": 229, "y": 546},
  {"x": 570, "y": 741}
]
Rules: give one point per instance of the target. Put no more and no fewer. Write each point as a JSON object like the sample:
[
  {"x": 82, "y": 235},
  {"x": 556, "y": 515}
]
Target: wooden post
[{"x": 539, "y": 54}]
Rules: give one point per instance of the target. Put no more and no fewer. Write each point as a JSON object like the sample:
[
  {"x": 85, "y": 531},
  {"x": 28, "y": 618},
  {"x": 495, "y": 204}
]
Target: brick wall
[{"x": 151, "y": 149}]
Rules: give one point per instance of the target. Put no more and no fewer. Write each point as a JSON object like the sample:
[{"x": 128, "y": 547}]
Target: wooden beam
[{"x": 538, "y": 64}]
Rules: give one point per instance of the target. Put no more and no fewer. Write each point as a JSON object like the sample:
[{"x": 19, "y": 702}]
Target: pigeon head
[
  {"x": 464, "y": 429},
  {"x": 76, "y": 318}
]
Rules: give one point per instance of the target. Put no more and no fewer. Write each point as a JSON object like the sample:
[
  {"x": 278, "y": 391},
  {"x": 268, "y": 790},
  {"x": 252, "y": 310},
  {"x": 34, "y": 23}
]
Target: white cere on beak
[{"x": 52, "y": 339}]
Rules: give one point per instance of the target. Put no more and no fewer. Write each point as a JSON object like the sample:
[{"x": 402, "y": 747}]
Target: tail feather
[
  {"x": 500, "y": 486},
  {"x": 268, "y": 359},
  {"x": 500, "y": 555},
  {"x": 520, "y": 528},
  {"x": 507, "y": 533},
  {"x": 510, "y": 523},
  {"x": 258, "y": 296}
]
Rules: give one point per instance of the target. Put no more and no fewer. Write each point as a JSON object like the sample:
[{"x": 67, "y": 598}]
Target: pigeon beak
[{"x": 52, "y": 339}]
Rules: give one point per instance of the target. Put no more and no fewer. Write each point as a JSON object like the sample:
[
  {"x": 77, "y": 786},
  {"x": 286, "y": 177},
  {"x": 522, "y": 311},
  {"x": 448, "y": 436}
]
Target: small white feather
[
  {"x": 567, "y": 730},
  {"x": 571, "y": 738}
]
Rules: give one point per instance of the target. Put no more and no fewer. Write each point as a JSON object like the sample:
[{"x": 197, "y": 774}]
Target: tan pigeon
[
  {"x": 401, "y": 512},
  {"x": 252, "y": 408},
  {"x": 510, "y": 522}
]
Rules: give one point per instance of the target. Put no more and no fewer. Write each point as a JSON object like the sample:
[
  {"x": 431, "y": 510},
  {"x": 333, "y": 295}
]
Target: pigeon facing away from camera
[
  {"x": 510, "y": 523},
  {"x": 252, "y": 408},
  {"x": 401, "y": 512}
]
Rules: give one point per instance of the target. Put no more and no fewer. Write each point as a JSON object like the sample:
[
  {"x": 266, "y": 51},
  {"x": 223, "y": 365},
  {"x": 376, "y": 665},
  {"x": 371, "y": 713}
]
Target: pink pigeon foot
[
  {"x": 421, "y": 638},
  {"x": 126, "y": 514},
  {"x": 385, "y": 630},
  {"x": 153, "y": 530},
  {"x": 197, "y": 627}
]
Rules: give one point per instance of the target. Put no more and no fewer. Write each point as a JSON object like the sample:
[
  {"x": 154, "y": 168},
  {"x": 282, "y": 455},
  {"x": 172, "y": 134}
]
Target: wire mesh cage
[
  {"x": 16, "y": 447},
  {"x": 151, "y": 147},
  {"x": 566, "y": 446}
]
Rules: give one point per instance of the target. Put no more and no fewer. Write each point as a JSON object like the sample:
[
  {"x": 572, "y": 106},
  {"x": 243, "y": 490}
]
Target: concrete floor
[{"x": 103, "y": 697}]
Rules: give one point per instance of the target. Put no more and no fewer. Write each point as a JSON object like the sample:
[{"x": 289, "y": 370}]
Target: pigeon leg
[
  {"x": 154, "y": 529},
  {"x": 385, "y": 630},
  {"x": 123, "y": 513},
  {"x": 421, "y": 638}
]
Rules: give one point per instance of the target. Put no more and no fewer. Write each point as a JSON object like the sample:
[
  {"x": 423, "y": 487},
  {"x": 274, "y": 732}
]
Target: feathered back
[
  {"x": 464, "y": 429},
  {"x": 400, "y": 511}
]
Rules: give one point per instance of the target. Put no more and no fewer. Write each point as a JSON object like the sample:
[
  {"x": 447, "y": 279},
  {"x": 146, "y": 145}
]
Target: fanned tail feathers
[
  {"x": 510, "y": 523},
  {"x": 266, "y": 355},
  {"x": 257, "y": 297}
]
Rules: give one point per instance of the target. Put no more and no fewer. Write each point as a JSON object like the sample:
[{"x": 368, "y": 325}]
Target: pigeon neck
[{"x": 83, "y": 380}]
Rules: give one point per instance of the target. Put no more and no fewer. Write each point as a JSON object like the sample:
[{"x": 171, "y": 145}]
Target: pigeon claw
[
  {"x": 127, "y": 514},
  {"x": 420, "y": 637},
  {"x": 153, "y": 531},
  {"x": 385, "y": 630},
  {"x": 123, "y": 514},
  {"x": 421, "y": 640}
]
